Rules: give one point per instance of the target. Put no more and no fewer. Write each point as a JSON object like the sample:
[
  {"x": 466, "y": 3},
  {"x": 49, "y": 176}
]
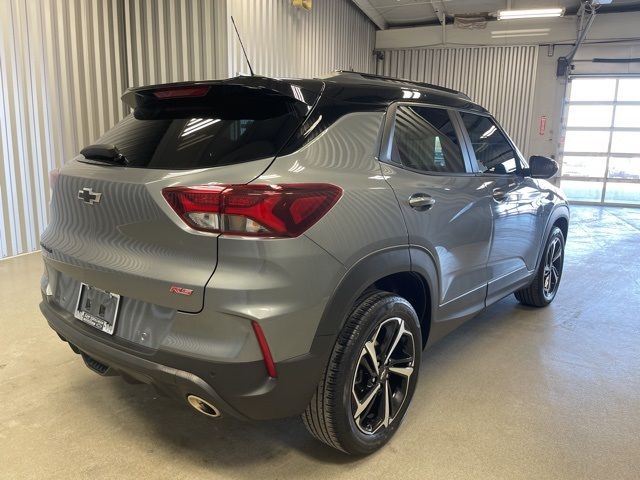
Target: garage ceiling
[{"x": 396, "y": 13}]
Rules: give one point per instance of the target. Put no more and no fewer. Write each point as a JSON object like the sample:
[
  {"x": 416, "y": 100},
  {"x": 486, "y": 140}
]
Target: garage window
[{"x": 601, "y": 153}]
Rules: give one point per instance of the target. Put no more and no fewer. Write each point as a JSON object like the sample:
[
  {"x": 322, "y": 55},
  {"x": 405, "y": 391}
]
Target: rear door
[
  {"x": 110, "y": 225},
  {"x": 515, "y": 200},
  {"x": 443, "y": 203}
]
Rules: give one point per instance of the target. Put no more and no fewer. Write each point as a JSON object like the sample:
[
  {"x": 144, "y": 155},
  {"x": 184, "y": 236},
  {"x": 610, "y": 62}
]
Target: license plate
[{"x": 97, "y": 308}]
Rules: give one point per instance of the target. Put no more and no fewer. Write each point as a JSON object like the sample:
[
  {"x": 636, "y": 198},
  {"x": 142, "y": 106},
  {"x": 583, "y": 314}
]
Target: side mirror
[{"x": 542, "y": 167}]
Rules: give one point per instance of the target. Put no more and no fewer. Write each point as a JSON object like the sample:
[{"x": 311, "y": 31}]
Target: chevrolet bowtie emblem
[{"x": 87, "y": 195}]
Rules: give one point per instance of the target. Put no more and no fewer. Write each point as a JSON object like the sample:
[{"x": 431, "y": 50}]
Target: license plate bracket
[{"x": 98, "y": 308}]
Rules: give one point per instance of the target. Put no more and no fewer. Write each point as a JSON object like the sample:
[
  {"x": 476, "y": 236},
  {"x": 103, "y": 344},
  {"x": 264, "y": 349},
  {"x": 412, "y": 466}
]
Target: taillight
[
  {"x": 181, "y": 92},
  {"x": 285, "y": 210}
]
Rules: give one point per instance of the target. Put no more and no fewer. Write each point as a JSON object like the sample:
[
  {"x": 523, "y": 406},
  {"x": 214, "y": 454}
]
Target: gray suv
[{"x": 263, "y": 248}]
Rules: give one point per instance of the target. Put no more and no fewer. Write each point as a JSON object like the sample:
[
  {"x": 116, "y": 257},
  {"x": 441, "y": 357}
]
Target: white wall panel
[
  {"x": 174, "y": 40},
  {"x": 283, "y": 41},
  {"x": 60, "y": 81},
  {"x": 501, "y": 79}
]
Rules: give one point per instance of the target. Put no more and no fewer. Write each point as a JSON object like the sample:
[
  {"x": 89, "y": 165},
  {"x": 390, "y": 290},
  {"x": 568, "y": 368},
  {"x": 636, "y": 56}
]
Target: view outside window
[
  {"x": 493, "y": 151},
  {"x": 601, "y": 157}
]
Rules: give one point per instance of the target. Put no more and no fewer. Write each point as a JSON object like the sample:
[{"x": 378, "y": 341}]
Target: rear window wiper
[{"x": 104, "y": 153}]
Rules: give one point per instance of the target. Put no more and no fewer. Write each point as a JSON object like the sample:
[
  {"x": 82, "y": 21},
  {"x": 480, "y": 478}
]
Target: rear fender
[{"x": 367, "y": 271}]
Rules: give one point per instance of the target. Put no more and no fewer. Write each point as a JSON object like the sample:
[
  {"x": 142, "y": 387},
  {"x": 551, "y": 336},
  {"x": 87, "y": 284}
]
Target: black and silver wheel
[
  {"x": 370, "y": 377},
  {"x": 382, "y": 376},
  {"x": 552, "y": 268},
  {"x": 544, "y": 287}
]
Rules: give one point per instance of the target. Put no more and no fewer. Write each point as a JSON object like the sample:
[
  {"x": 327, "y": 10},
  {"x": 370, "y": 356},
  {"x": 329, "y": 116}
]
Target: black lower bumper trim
[{"x": 243, "y": 390}]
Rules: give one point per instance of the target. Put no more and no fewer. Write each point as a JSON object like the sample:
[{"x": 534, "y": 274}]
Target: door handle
[
  {"x": 421, "y": 201},
  {"x": 499, "y": 194}
]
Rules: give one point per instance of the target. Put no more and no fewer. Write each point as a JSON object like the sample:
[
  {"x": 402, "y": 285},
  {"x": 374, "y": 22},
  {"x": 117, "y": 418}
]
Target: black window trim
[{"x": 384, "y": 151}]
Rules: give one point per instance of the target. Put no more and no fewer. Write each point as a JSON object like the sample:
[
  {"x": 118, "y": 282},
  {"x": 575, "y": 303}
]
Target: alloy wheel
[
  {"x": 381, "y": 380},
  {"x": 552, "y": 268}
]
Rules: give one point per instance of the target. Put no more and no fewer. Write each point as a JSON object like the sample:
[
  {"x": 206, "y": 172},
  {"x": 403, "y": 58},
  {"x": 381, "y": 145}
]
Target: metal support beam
[
  {"x": 441, "y": 13},
  {"x": 438, "y": 8}
]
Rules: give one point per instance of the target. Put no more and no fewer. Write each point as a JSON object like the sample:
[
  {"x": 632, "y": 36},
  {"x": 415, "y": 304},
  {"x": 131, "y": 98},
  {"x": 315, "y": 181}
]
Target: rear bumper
[{"x": 243, "y": 390}]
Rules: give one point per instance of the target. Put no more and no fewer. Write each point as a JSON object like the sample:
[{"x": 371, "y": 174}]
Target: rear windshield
[{"x": 177, "y": 140}]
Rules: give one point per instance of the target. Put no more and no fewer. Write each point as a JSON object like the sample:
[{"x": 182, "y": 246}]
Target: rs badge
[{"x": 180, "y": 290}]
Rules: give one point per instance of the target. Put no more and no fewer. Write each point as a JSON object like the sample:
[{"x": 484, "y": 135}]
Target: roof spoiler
[{"x": 225, "y": 98}]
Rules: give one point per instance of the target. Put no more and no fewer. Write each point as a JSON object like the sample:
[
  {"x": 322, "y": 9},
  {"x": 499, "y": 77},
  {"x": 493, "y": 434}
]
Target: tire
[
  {"x": 540, "y": 293},
  {"x": 347, "y": 411}
]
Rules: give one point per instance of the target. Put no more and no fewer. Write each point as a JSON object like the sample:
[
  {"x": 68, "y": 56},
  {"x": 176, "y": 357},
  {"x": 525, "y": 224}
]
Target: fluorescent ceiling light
[
  {"x": 531, "y": 13},
  {"x": 196, "y": 124},
  {"x": 520, "y": 35},
  {"x": 529, "y": 32},
  {"x": 488, "y": 133},
  {"x": 520, "y": 30}
]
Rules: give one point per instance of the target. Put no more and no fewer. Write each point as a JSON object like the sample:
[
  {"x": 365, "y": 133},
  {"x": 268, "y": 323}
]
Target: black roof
[
  {"x": 384, "y": 80},
  {"x": 361, "y": 90},
  {"x": 367, "y": 88}
]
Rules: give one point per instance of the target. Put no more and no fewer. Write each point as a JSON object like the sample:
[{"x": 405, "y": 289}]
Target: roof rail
[{"x": 404, "y": 80}]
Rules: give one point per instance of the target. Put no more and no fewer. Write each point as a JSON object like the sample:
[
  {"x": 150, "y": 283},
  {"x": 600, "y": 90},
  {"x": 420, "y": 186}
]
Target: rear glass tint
[{"x": 202, "y": 140}]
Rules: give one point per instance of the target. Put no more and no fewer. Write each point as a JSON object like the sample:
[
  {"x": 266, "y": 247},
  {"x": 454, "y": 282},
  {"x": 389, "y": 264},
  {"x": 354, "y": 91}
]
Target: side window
[
  {"x": 493, "y": 151},
  {"x": 424, "y": 139}
]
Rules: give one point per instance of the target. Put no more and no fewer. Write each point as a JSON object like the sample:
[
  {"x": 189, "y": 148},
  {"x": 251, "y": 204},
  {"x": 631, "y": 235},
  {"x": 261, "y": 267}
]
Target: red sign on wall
[{"x": 542, "y": 126}]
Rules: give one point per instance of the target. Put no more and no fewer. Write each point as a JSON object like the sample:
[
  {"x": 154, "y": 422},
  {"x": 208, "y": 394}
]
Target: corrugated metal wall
[
  {"x": 60, "y": 81},
  {"x": 501, "y": 79},
  {"x": 174, "y": 40},
  {"x": 64, "y": 64},
  {"x": 282, "y": 41}
]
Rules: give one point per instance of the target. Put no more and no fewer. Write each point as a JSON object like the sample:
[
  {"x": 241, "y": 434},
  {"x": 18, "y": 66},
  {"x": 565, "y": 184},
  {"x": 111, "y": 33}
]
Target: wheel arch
[
  {"x": 412, "y": 287},
  {"x": 391, "y": 270},
  {"x": 559, "y": 217},
  {"x": 563, "y": 223}
]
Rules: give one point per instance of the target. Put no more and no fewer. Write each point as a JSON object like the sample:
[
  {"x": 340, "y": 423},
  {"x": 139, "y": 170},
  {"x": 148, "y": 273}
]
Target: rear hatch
[{"x": 110, "y": 225}]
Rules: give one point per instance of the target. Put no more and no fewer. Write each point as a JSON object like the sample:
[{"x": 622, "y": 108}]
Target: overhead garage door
[{"x": 601, "y": 151}]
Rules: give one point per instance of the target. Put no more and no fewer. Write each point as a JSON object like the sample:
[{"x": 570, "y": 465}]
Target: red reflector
[
  {"x": 182, "y": 92},
  {"x": 285, "y": 210},
  {"x": 264, "y": 348}
]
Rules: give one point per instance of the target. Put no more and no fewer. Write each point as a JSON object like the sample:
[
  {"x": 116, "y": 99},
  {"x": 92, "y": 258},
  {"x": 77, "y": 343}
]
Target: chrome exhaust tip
[{"x": 203, "y": 406}]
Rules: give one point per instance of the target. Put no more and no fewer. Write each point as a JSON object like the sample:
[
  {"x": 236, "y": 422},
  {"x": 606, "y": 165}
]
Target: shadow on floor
[
  {"x": 225, "y": 442},
  {"x": 233, "y": 444}
]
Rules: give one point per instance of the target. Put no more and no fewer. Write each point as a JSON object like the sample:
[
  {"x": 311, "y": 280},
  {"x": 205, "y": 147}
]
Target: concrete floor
[{"x": 515, "y": 393}]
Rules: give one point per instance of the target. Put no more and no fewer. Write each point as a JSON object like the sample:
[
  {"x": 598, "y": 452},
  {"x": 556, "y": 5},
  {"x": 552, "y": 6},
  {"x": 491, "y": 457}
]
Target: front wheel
[
  {"x": 545, "y": 285},
  {"x": 370, "y": 378}
]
